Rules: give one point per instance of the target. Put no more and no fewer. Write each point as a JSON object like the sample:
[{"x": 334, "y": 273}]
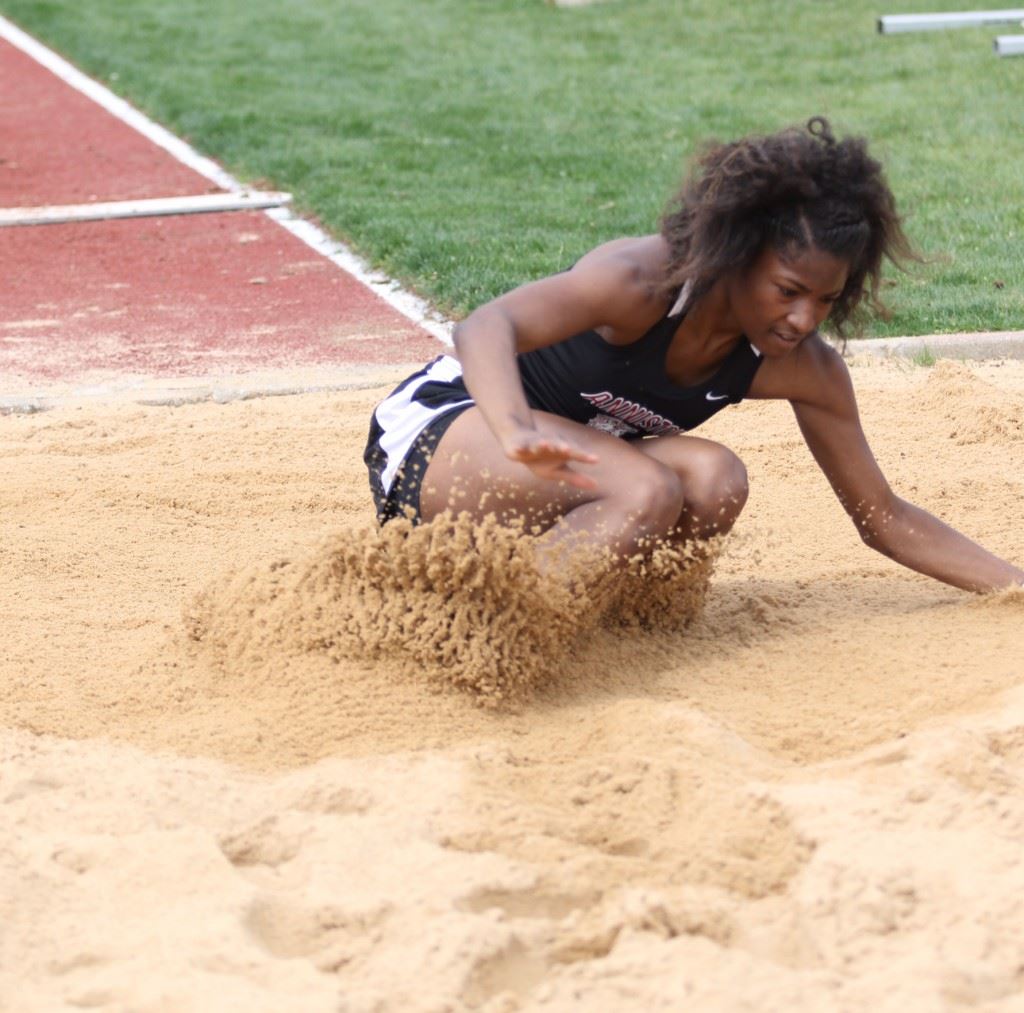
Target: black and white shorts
[{"x": 404, "y": 433}]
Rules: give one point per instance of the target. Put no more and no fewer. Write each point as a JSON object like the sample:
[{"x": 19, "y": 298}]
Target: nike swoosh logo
[{"x": 716, "y": 397}]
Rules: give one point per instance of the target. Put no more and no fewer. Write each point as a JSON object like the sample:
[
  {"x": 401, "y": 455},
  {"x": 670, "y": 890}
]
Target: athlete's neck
[{"x": 709, "y": 330}]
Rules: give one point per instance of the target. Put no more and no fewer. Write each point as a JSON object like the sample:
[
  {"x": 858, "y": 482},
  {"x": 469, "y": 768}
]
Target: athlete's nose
[{"x": 802, "y": 318}]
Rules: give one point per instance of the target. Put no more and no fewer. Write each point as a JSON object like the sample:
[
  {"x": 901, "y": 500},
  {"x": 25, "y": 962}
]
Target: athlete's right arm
[{"x": 601, "y": 290}]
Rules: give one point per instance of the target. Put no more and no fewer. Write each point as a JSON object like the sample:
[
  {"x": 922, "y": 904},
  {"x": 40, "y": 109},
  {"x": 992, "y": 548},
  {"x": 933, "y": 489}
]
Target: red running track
[{"x": 175, "y": 296}]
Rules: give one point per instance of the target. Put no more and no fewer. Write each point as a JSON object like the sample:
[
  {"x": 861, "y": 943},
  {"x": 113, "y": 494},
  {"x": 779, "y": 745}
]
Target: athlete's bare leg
[
  {"x": 683, "y": 486},
  {"x": 636, "y": 497},
  {"x": 713, "y": 478}
]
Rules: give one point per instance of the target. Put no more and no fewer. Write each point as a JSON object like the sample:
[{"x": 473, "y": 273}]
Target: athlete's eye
[{"x": 787, "y": 293}]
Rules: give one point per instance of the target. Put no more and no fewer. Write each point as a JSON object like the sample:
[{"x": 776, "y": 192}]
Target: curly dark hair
[{"x": 792, "y": 190}]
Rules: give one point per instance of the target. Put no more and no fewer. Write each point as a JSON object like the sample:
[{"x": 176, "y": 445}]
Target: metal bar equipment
[{"x": 890, "y": 24}]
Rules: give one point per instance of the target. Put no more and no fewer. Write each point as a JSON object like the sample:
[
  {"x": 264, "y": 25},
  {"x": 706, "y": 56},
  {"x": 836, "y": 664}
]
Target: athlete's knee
[
  {"x": 652, "y": 494},
  {"x": 717, "y": 489},
  {"x": 732, "y": 482}
]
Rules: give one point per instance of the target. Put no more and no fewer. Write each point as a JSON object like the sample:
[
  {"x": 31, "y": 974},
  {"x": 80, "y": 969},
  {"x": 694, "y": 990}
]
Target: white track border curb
[{"x": 409, "y": 305}]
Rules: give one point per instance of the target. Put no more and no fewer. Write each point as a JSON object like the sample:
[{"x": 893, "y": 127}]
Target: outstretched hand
[{"x": 549, "y": 457}]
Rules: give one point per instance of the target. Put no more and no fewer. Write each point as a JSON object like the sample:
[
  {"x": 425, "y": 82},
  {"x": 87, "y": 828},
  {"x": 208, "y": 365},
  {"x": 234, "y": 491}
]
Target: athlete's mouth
[{"x": 789, "y": 339}]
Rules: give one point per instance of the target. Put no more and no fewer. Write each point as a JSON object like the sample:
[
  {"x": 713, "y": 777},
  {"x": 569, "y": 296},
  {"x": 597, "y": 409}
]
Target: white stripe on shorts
[{"x": 402, "y": 418}]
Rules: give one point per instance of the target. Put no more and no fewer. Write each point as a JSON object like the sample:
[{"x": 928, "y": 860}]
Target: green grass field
[{"x": 465, "y": 146}]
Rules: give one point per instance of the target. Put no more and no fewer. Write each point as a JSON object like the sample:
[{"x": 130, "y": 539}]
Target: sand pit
[{"x": 805, "y": 795}]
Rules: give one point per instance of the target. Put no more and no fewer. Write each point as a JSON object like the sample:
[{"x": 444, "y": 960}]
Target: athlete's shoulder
[
  {"x": 638, "y": 260},
  {"x": 813, "y": 373},
  {"x": 626, "y": 275},
  {"x": 822, "y": 365}
]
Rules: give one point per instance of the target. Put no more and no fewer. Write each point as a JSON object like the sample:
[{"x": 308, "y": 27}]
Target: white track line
[
  {"x": 409, "y": 305},
  {"x": 100, "y": 211}
]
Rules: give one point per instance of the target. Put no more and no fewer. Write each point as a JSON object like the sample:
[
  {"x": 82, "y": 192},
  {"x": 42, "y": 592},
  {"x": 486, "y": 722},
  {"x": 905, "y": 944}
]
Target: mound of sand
[
  {"x": 976, "y": 411},
  {"x": 243, "y": 756}
]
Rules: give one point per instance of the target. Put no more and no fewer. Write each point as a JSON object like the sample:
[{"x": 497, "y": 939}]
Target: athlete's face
[{"x": 784, "y": 297}]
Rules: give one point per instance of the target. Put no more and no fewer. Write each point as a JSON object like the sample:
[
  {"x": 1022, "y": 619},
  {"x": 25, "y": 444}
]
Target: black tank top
[{"x": 624, "y": 389}]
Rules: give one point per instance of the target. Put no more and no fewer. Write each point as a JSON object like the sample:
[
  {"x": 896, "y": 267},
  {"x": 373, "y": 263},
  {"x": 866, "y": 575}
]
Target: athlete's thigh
[{"x": 469, "y": 471}]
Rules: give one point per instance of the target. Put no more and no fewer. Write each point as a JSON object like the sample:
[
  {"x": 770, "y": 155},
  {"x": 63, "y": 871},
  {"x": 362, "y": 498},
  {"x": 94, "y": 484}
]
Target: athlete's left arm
[{"x": 818, "y": 385}]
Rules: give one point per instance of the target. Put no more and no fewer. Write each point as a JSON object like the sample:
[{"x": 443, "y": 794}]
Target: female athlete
[{"x": 570, "y": 400}]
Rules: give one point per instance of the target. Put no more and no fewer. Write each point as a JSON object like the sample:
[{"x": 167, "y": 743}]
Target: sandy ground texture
[{"x": 246, "y": 765}]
